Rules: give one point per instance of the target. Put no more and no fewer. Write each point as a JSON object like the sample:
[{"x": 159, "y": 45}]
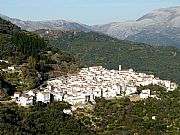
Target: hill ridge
[{"x": 159, "y": 27}]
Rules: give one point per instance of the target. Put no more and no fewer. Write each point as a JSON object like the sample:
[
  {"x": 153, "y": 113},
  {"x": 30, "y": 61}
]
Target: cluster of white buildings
[
  {"x": 94, "y": 82},
  {"x": 28, "y": 98}
]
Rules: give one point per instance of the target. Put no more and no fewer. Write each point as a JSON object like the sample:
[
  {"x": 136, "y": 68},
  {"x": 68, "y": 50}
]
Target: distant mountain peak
[
  {"x": 159, "y": 27},
  {"x": 164, "y": 14}
]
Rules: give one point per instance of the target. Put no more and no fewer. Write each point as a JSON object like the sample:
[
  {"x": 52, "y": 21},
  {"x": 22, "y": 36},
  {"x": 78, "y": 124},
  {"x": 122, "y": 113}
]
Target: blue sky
[{"x": 84, "y": 11}]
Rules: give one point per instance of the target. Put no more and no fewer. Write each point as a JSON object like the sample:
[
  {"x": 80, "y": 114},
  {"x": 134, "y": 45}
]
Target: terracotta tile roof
[
  {"x": 45, "y": 92},
  {"x": 18, "y": 92}
]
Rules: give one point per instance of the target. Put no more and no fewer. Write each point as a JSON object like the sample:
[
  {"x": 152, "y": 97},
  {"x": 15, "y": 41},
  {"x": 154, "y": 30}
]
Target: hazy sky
[{"x": 84, "y": 11}]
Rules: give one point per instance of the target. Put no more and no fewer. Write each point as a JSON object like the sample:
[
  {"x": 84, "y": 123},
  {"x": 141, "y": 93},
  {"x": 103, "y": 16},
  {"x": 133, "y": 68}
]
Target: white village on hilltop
[{"x": 90, "y": 83}]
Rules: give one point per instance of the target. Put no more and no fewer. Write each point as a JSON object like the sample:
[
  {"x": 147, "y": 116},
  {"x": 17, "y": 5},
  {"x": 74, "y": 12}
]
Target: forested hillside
[
  {"x": 26, "y": 60},
  {"x": 39, "y": 120},
  {"x": 96, "y": 49},
  {"x": 143, "y": 117}
]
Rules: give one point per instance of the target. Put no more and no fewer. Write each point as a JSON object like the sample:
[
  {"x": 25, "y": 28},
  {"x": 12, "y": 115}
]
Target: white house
[
  {"x": 167, "y": 83},
  {"x": 173, "y": 86},
  {"x": 145, "y": 94},
  {"x": 26, "y": 101},
  {"x": 43, "y": 97},
  {"x": 11, "y": 68},
  {"x": 31, "y": 93},
  {"x": 153, "y": 117},
  {"x": 67, "y": 111},
  {"x": 130, "y": 90},
  {"x": 4, "y": 61},
  {"x": 58, "y": 96},
  {"x": 17, "y": 95}
]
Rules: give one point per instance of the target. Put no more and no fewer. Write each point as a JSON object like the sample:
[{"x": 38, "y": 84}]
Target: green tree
[{"x": 32, "y": 62}]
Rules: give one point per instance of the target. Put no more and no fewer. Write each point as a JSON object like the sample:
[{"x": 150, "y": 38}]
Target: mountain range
[
  {"x": 159, "y": 27},
  {"x": 49, "y": 24}
]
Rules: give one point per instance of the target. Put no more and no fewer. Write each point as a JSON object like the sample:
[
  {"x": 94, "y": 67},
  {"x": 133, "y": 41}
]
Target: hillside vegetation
[
  {"x": 107, "y": 117},
  {"x": 96, "y": 49},
  {"x": 144, "y": 117},
  {"x": 33, "y": 59},
  {"x": 39, "y": 120}
]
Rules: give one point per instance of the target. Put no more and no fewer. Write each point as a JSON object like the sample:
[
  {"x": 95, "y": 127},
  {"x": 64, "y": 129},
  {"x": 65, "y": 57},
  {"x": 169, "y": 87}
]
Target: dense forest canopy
[
  {"x": 30, "y": 45},
  {"x": 39, "y": 120}
]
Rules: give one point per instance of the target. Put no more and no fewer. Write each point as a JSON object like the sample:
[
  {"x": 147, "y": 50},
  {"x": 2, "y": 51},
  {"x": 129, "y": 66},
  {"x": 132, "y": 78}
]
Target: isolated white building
[
  {"x": 11, "y": 68},
  {"x": 67, "y": 111}
]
